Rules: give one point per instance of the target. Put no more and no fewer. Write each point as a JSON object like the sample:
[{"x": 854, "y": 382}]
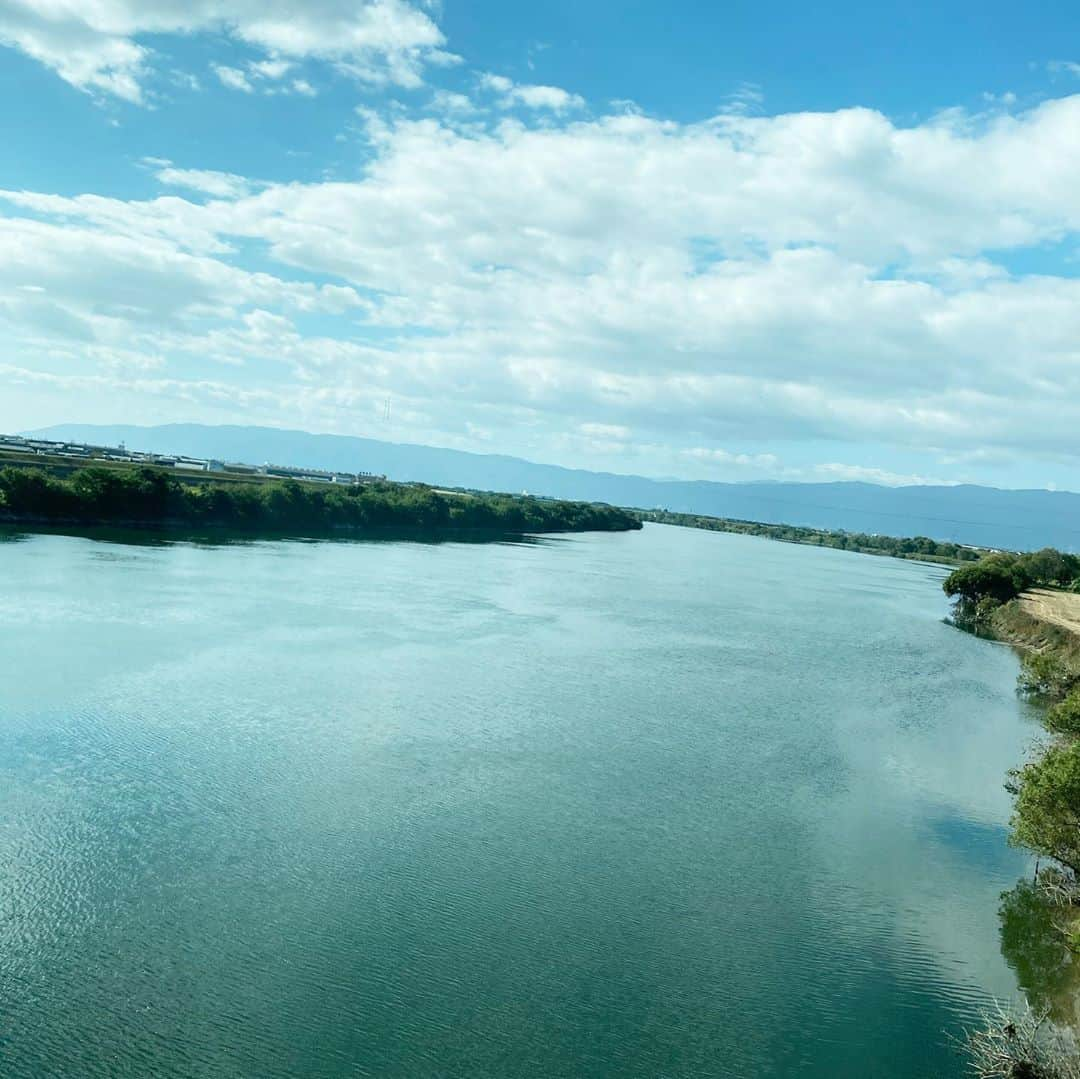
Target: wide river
[{"x": 659, "y": 804}]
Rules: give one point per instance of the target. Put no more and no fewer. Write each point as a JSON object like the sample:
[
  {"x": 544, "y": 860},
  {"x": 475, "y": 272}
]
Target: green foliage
[
  {"x": 1046, "y": 816},
  {"x": 154, "y": 497},
  {"x": 1049, "y": 567},
  {"x": 975, "y": 616},
  {"x": 1045, "y": 674},
  {"x": 997, "y": 576},
  {"x": 1035, "y": 945},
  {"x": 1064, "y": 717},
  {"x": 982, "y": 587},
  {"x": 916, "y": 547},
  {"x": 1004, "y": 576}
]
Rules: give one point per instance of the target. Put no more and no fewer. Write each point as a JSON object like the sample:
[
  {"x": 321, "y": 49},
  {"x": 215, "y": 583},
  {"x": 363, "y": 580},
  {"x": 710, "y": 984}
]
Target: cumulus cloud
[
  {"x": 108, "y": 287},
  {"x": 638, "y": 282},
  {"x": 225, "y": 185},
  {"x": 271, "y": 69},
  {"x": 98, "y": 46},
  {"x": 531, "y": 96},
  {"x": 451, "y": 102}
]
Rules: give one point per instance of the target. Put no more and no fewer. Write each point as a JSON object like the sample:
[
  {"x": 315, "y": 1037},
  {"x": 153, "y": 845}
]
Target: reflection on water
[
  {"x": 1035, "y": 943},
  {"x": 222, "y": 537},
  {"x": 981, "y": 843},
  {"x": 661, "y": 804}
]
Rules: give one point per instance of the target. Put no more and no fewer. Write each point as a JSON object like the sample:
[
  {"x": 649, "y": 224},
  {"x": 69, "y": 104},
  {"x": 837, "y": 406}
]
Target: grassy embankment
[
  {"x": 71, "y": 494},
  {"x": 919, "y": 548}
]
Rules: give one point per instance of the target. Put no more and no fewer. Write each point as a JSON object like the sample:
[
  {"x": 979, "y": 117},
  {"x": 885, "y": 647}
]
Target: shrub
[
  {"x": 1022, "y": 1047},
  {"x": 1064, "y": 717},
  {"x": 1043, "y": 674}
]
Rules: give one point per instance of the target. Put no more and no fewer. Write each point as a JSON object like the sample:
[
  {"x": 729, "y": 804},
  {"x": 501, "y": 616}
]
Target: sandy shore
[{"x": 1057, "y": 608}]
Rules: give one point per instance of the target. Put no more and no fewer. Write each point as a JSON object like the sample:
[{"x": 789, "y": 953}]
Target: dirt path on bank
[{"x": 1058, "y": 608}]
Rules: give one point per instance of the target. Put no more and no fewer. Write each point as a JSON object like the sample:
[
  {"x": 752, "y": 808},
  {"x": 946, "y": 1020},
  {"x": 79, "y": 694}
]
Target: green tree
[
  {"x": 997, "y": 576},
  {"x": 145, "y": 495},
  {"x": 1048, "y": 566},
  {"x": 1046, "y": 816}
]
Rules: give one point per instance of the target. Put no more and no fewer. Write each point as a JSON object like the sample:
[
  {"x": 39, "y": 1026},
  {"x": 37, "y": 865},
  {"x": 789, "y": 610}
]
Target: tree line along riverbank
[
  {"x": 1032, "y": 601},
  {"x": 920, "y": 548},
  {"x": 148, "y": 497}
]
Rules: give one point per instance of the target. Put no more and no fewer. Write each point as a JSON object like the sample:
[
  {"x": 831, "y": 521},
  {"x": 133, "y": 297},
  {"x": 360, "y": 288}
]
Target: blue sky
[{"x": 728, "y": 242}]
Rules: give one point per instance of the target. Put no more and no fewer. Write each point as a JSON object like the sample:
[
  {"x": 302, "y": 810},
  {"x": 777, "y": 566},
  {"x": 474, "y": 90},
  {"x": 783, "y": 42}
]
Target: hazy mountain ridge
[{"x": 965, "y": 514}]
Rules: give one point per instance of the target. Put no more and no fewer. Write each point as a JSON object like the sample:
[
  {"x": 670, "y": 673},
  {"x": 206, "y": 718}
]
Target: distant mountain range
[{"x": 986, "y": 516}]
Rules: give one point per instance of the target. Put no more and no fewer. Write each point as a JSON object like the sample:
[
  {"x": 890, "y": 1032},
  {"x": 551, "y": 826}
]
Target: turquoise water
[{"x": 659, "y": 804}]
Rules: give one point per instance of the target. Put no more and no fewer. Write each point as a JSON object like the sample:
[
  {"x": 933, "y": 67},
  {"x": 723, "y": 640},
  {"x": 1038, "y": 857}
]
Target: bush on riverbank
[
  {"x": 1022, "y": 1047},
  {"x": 1046, "y": 817},
  {"x": 1064, "y": 717},
  {"x": 1046, "y": 675},
  {"x": 151, "y": 496}
]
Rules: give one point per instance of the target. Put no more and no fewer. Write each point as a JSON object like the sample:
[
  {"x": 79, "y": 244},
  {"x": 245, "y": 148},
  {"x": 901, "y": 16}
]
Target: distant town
[{"x": 81, "y": 452}]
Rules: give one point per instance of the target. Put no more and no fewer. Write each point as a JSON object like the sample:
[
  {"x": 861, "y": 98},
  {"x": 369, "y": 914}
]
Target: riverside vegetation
[
  {"x": 1041, "y": 917},
  {"x": 152, "y": 497},
  {"x": 921, "y": 548}
]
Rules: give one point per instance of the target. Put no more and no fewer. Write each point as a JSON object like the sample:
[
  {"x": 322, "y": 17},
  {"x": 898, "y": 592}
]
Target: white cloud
[
  {"x": 224, "y": 185},
  {"x": 96, "y": 46},
  {"x": 111, "y": 288},
  {"x": 746, "y": 99},
  {"x": 185, "y": 80},
  {"x": 763, "y": 462},
  {"x": 233, "y": 78},
  {"x": 499, "y": 84},
  {"x": 1064, "y": 67},
  {"x": 271, "y": 69},
  {"x": 450, "y": 102},
  {"x": 748, "y": 279},
  {"x": 530, "y": 96},
  {"x": 833, "y": 472},
  {"x": 265, "y": 76}
]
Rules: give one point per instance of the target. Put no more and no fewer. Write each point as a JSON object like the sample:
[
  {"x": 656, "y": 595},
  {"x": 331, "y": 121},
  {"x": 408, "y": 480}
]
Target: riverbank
[
  {"x": 1058, "y": 609},
  {"x": 916, "y": 548},
  {"x": 1040, "y": 621},
  {"x": 1029, "y": 603},
  {"x": 147, "y": 498}
]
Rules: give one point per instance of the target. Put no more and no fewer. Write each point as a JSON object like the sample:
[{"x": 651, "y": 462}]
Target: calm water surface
[{"x": 667, "y": 804}]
